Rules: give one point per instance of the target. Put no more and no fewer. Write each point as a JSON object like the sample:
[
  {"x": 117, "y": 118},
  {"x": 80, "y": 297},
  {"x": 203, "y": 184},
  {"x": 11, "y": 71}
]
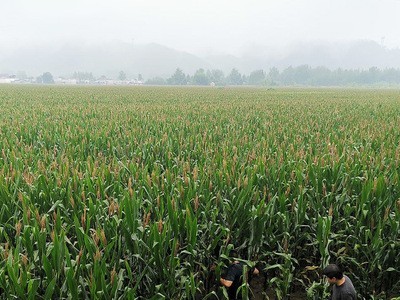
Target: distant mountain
[
  {"x": 350, "y": 55},
  {"x": 106, "y": 59},
  {"x": 152, "y": 60}
]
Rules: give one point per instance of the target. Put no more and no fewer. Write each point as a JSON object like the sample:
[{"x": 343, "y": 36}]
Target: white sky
[{"x": 199, "y": 26}]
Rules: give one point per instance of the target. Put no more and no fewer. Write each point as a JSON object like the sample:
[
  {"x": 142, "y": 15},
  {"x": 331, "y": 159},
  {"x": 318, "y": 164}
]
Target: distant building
[
  {"x": 61, "y": 80},
  {"x": 135, "y": 82},
  {"x": 103, "y": 81},
  {"x": 7, "y": 78}
]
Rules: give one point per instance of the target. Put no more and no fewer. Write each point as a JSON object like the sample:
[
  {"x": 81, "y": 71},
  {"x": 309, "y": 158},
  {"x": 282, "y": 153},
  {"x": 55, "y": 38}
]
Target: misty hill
[
  {"x": 351, "y": 55},
  {"x": 106, "y": 59},
  {"x": 354, "y": 55},
  {"x": 156, "y": 60}
]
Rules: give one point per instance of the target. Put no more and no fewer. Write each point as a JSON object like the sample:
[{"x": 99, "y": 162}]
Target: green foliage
[
  {"x": 216, "y": 76},
  {"x": 200, "y": 78},
  {"x": 302, "y": 75},
  {"x": 45, "y": 78},
  {"x": 156, "y": 81},
  {"x": 178, "y": 78},
  {"x": 133, "y": 193},
  {"x": 235, "y": 78},
  {"x": 121, "y": 75},
  {"x": 83, "y": 76},
  {"x": 257, "y": 78}
]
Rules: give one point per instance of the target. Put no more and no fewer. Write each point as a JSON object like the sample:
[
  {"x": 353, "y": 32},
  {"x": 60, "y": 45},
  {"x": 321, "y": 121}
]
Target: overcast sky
[{"x": 227, "y": 26}]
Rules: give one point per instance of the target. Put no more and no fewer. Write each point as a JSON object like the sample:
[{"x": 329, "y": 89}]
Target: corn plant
[{"x": 135, "y": 192}]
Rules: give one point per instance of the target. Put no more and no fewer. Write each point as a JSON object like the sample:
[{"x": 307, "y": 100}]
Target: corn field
[{"x": 134, "y": 193}]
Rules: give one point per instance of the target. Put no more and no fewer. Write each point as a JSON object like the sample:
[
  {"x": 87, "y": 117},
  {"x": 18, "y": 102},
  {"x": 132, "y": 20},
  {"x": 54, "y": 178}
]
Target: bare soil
[{"x": 261, "y": 292}]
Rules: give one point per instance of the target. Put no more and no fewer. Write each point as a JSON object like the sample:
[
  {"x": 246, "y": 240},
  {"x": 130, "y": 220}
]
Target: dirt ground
[{"x": 260, "y": 292}]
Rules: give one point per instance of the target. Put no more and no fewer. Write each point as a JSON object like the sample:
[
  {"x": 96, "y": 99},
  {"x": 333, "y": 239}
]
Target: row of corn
[{"x": 134, "y": 193}]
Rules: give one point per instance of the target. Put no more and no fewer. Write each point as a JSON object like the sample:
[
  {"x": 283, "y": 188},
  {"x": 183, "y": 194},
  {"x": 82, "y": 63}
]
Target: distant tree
[
  {"x": 298, "y": 75},
  {"x": 235, "y": 78},
  {"x": 302, "y": 74},
  {"x": 156, "y": 81},
  {"x": 256, "y": 78},
  {"x": 121, "y": 75},
  {"x": 200, "y": 78},
  {"x": 178, "y": 78},
  {"x": 188, "y": 79},
  {"x": 273, "y": 76},
  {"x": 216, "y": 76},
  {"x": 374, "y": 75},
  {"x": 39, "y": 79},
  {"x": 391, "y": 75},
  {"x": 322, "y": 76},
  {"x": 140, "y": 77},
  {"x": 245, "y": 79},
  {"x": 346, "y": 77},
  {"x": 47, "y": 78},
  {"x": 287, "y": 76},
  {"x": 83, "y": 76}
]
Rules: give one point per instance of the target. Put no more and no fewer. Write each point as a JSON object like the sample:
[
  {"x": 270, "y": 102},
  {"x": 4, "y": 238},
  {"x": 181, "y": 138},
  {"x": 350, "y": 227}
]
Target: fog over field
[{"x": 155, "y": 37}]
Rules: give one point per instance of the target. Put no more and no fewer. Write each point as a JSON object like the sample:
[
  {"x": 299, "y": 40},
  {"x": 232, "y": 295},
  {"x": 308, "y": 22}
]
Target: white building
[
  {"x": 65, "y": 81},
  {"x": 7, "y": 79}
]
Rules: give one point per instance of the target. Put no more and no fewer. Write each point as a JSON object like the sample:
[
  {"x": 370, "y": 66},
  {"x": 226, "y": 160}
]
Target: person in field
[
  {"x": 342, "y": 287},
  {"x": 233, "y": 278}
]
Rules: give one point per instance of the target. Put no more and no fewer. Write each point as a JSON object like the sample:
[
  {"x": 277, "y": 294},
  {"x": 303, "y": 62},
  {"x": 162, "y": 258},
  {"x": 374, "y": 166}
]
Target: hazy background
[{"x": 155, "y": 37}]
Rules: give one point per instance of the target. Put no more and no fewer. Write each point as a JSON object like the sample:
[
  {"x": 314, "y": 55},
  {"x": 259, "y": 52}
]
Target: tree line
[{"x": 302, "y": 75}]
